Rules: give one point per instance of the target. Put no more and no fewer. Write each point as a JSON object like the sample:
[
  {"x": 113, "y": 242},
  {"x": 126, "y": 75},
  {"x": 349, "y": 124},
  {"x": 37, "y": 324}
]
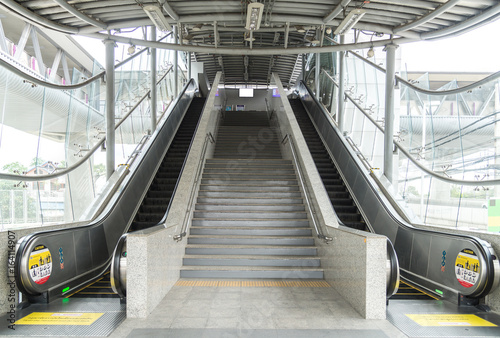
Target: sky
[{"x": 476, "y": 51}]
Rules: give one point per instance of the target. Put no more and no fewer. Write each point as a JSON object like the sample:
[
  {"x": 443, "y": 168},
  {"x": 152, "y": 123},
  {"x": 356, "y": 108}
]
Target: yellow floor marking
[
  {"x": 449, "y": 320},
  {"x": 59, "y": 318},
  {"x": 281, "y": 284}
]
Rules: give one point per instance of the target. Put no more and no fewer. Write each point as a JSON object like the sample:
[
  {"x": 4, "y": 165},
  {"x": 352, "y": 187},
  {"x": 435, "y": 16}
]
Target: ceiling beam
[
  {"x": 475, "y": 20},
  {"x": 170, "y": 11},
  {"x": 258, "y": 51},
  {"x": 340, "y": 7},
  {"x": 64, "y": 4},
  {"x": 426, "y": 18}
]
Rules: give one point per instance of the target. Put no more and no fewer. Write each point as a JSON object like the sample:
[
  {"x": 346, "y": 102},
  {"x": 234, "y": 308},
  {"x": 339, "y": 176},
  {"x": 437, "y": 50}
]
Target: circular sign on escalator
[
  {"x": 40, "y": 264},
  {"x": 467, "y": 268}
]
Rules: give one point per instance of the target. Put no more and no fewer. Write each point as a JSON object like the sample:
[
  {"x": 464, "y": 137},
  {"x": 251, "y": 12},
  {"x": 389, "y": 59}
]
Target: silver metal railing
[
  {"x": 298, "y": 169},
  {"x": 407, "y": 154},
  {"x": 185, "y": 222}
]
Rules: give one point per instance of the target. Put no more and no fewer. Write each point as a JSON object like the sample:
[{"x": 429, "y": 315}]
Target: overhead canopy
[{"x": 210, "y": 29}]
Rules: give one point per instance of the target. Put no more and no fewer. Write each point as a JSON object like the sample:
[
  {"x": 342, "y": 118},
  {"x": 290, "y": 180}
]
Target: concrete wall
[
  {"x": 154, "y": 259},
  {"x": 257, "y": 102},
  {"x": 354, "y": 261}
]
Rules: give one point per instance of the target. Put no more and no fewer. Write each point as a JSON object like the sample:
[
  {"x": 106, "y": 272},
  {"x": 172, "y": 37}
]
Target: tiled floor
[{"x": 254, "y": 311}]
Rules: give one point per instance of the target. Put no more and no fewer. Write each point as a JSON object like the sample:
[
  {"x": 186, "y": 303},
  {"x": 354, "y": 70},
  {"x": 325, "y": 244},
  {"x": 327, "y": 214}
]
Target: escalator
[
  {"x": 342, "y": 201},
  {"x": 73, "y": 258},
  {"x": 157, "y": 199},
  {"x": 154, "y": 206},
  {"x": 428, "y": 260}
]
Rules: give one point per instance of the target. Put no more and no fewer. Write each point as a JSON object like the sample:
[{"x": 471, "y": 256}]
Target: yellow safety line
[
  {"x": 257, "y": 283},
  {"x": 416, "y": 288},
  {"x": 84, "y": 288}
]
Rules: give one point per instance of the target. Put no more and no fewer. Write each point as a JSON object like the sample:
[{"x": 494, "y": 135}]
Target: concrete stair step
[
  {"x": 249, "y": 207},
  {"x": 250, "y": 231},
  {"x": 249, "y": 260},
  {"x": 250, "y": 194},
  {"x": 250, "y": 272},
  {"x": 278, "y": 180},
  {"x": 256, "y": 250},
  {"x": 251, "y": 240},
  {"x": 235, "y": 214},
  {"x": 248, "y": 188},
  {"x": 248, "y": 200},
  {"x": 300, "y": 223}
]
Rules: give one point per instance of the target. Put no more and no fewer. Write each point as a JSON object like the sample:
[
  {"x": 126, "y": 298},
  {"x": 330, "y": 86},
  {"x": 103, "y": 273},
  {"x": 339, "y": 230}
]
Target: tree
[
  {"x": 36, "y": 161},
  {"x": 14, "y": 167}
]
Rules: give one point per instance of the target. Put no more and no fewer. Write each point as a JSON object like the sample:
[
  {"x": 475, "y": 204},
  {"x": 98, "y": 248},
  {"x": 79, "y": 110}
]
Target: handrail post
[
  {"x": 110, "y": 107},
  {"x": 153, "y": 81},
  {"x": 390, "y": 77},
  {"x": 341, "y": 103},
  {"x": 176, "y": 63}
]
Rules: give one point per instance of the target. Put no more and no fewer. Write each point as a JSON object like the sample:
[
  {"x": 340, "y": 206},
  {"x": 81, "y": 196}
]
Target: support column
[
  {"x": 153, "y": 81},
  {"x": 316, "y": 75},
  {"x": 189, "y": 65},
  {"x": 176, "y": 65},
  {"x": 110, "y": 107},
  {"x": 341, "y": 104},
  {"x": 390, "y": 78}
]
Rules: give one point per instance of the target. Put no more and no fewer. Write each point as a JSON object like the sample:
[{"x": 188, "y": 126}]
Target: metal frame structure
[{"x": 214, "y": 31}]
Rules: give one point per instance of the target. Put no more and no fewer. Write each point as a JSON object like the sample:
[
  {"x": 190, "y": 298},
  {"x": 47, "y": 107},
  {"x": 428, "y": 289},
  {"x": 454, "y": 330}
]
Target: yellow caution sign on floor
[
  {"x": 449, "y": 320},
  {"x": 59, "y": 318}
]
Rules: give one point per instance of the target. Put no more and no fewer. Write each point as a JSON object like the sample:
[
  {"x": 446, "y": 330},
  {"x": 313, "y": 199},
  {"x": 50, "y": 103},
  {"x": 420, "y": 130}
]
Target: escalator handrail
[
  {"x": 25, "y": 241},
  {"x": 89, "y": 153},
  {"x": 47, "y": 84},
  {"x": 164, "y": 218},
  {"x": 183, "y": 233},
  {"x": 410, "y": 157},
  {"x": 319, "y": 233},
  {"x": 489, "y": 78},
  {"x": 489, "y": 259}
]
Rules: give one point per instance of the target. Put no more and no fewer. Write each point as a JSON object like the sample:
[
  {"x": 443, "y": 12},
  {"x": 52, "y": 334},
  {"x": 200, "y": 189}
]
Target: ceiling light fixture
[
  {"x": 328, "y": 30},
  {"x": 349, "y": 21},
  {"x": 186, "y": 38},
  {"x": 131, "y": 49},
  {"x": 371, "y": 52},
  {"x": 197, "y": 28},
  {"x": 300, "y": 29},
  {"x": 156, "y": 15},
  {"x": 248, "y": 37},
  {"x": 254, "y": 16}
]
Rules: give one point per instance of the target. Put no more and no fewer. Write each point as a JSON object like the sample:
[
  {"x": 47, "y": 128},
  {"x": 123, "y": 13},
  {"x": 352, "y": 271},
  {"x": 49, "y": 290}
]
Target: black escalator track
[
  {"x": 160, "y": 191},
  {"x": 101, "y": 288},
  {"x": 157, "y": 199},
  {"x": 339, "y": 195}
]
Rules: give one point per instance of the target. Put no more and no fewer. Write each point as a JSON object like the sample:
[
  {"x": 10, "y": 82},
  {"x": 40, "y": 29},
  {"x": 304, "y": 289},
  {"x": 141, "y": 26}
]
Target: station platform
[{"x": 242, "y": 308}]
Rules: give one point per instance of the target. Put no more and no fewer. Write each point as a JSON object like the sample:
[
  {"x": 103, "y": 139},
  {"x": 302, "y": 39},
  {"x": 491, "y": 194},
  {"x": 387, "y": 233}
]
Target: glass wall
[
  {"x": 44, "y": 130},
  {"x": 454, "y": 136}
]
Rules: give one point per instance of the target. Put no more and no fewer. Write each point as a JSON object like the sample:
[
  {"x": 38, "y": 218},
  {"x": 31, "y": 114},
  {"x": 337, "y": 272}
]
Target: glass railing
[
  {"x": 446, "y": 144},
  {"x": 44, "y": 131}
]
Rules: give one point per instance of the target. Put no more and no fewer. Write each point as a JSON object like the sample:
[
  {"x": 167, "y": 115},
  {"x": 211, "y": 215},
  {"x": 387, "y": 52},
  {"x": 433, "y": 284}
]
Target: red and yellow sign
[
  {"x": 467, "y": 268},
  {"x": 40, "y": 264}
]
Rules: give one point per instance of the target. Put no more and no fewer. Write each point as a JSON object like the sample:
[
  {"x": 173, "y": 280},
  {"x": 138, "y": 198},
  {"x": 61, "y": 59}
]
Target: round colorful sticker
[
  {"x": 467, "y": 268},
  {"x": 40, "y": 264}
]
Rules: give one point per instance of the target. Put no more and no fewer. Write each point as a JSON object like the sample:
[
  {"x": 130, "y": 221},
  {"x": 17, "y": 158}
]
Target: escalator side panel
[
  {"x": 419, "y": 263},
  {"x": 113, "y": 223},
  {"x": 82, "y": 242},
  {"x": 456, "y": 246}
]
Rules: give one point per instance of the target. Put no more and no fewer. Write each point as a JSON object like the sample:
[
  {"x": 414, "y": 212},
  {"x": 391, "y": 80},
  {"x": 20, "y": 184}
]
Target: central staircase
[{"x": 250, "y": 220}]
